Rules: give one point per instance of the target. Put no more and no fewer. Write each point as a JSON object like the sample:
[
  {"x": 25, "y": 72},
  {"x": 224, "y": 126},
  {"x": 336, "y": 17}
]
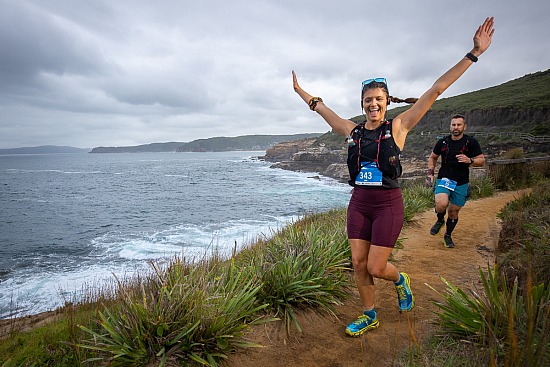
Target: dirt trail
[{"x": 323, "y": 342}]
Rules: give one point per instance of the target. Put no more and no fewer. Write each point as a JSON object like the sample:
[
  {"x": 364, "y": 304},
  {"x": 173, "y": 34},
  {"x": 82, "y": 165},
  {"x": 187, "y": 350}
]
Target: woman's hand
[
  {"x": 483, "y": 37},
  {"x": 302, "y": 93},
  {"x": 295, "y": 82}
]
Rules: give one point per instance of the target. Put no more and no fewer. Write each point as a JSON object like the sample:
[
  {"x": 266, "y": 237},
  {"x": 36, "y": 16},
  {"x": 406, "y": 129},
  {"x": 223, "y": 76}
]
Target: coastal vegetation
[{"x": 197, "y": 311}]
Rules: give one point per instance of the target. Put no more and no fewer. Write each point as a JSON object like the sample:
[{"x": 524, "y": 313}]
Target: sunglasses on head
[{"x": 377, "y": 80}]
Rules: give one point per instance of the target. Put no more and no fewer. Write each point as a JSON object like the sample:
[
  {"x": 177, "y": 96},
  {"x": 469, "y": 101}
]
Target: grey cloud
[
  {"x": 34, "y": 42},
  {"x": 101, "y": 72}
]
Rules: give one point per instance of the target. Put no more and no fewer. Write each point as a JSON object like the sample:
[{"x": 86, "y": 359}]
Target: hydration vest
[
  {"x": 445, "y": 147},
  {"x": 387, "y": 153}
]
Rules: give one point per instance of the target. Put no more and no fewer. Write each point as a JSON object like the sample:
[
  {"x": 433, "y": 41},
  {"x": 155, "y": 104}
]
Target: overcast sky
[{"x": 115, "y": 73}]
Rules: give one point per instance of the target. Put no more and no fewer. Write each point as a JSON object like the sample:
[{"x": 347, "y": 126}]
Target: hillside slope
[{"x": 521, "y": 104}]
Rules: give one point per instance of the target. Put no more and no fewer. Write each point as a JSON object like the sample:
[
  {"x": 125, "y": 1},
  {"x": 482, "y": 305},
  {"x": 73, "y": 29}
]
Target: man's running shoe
[
  {"x": 404, "y": 294},
  {"x": 436, "y": 228},
  {"x": 448, "y": 241},
  {"x": 361, "y": 325}
]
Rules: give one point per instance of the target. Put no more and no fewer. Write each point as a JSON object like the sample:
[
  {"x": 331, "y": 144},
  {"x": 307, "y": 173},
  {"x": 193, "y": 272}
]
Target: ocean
[{"x": 70, "y": 222}]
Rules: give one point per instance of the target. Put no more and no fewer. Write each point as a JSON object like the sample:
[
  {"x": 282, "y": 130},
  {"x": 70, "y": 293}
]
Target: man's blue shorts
[{"x": 458, "y": 197}]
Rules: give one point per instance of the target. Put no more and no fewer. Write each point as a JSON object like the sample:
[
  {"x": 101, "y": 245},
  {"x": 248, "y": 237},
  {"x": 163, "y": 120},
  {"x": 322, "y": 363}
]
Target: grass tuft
[
  {"x": 507, "y": 325},
  {"x": 190, "y": 312}
]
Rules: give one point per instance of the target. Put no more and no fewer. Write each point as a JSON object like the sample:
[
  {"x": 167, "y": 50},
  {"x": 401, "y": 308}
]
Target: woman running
[{"x": 375, "y": 211}]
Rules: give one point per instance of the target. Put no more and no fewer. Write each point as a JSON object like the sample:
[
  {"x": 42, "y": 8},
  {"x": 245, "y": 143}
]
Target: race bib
[
  {"x": 447, "y": 184},
  {"x": 369, "y": 175}
]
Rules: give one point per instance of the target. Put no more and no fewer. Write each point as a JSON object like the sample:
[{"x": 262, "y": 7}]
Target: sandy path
[{"x": 323, "y": 342}]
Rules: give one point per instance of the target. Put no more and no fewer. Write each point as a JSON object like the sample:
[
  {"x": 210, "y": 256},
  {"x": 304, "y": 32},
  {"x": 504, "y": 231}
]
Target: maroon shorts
[{"x": 376, "y": 215}]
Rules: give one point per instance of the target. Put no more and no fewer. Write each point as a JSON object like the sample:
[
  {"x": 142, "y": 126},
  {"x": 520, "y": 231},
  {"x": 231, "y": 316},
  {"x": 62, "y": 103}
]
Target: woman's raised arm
[
  {"x": 340, "y": 125},
  {"x": 482, "y": 40}
]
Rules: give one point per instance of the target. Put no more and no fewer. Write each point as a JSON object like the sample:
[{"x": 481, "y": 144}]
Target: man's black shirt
[{"x": 448, "y": 149}]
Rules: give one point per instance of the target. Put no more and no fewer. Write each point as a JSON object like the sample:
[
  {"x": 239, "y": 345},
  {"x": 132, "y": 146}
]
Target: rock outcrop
[
  {"x": 284, "y": 151},
  {"x": 306, "y": 156}
]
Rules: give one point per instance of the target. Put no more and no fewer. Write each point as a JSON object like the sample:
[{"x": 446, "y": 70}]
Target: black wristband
[{"x": 470, "y": 56}]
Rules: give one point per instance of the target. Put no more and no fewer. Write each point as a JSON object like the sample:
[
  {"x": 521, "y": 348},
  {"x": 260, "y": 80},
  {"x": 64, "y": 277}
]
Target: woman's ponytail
[{"x": 409, "y": 100}]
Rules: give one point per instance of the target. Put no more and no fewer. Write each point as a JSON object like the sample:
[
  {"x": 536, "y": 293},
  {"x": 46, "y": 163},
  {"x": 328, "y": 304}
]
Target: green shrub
[
  {"x": 482, "y": 188},
  {"x": 304, "y": 267},
  {"x": 524, "y": 243},
  {"x": 519, "y": 174},
  {"x": 417, "y": 198},
  {"x": 507, "y": 325},
  {"x": 195, "y": 313}
]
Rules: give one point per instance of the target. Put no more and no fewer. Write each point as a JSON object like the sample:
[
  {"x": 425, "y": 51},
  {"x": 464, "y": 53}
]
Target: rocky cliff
[
  {"x": 309, "y": 155},
  {"x": 305, "y": 156}
]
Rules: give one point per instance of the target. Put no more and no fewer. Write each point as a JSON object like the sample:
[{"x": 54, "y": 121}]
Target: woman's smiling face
[{"x": 375, "y": 102}]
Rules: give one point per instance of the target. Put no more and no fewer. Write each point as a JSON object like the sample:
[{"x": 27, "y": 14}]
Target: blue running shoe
[
  {"x": 404, "y": 294},
  {"x": 361, "y": 325}
]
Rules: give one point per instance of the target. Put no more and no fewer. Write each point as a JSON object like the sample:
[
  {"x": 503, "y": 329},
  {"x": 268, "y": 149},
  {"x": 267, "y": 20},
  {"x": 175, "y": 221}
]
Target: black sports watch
[{"x": 472, "y": 160}]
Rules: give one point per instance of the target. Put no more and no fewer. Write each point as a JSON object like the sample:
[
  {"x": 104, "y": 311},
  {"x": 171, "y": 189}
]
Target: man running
[{"x": 458, "y": 153}]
